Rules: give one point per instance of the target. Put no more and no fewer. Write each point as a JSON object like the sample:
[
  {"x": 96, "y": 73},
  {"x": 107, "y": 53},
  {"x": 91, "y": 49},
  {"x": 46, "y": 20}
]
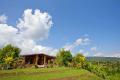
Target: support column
[
  {"x": 24, "y": 60},
  {"x": 36, "y": 60},
  {"x": 44, "y": 60}
]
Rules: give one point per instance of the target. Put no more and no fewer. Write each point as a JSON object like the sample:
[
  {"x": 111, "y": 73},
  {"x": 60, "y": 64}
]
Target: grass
[
  {"x": 115, "y": 77},
  {"x": 60, "y": 73}
]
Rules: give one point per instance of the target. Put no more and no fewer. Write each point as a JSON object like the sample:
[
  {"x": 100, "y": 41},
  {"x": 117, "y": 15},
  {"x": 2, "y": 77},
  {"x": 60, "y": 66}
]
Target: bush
[
  {"x": 95, "y": 69},
  {"x": 63, "y": 57},
  {"x": 8, "y": 55}
]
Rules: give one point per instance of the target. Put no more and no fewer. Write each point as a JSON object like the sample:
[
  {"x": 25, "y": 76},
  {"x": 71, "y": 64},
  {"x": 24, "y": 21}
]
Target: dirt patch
[{"x": 66, "y": 78}]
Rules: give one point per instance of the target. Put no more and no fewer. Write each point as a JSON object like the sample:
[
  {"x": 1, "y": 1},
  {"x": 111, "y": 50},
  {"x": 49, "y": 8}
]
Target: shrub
[
  {"x": 8, "y": 55},
  {"x": 63, "y": 57}
]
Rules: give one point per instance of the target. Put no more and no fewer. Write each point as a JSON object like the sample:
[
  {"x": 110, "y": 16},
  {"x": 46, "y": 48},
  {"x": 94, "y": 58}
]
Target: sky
[{"x": 91, "y": 27}]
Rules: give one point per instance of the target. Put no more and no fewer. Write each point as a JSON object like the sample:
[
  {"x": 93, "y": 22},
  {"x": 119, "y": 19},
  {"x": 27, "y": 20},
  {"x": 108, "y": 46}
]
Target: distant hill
[{"x": 103, "y": 58}]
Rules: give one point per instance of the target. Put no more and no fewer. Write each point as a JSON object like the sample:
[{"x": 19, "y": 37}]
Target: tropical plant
[
  {"x": 79, "y": 60},
  {"x": 64, "y": 57},
  {"x": 8, "y": 55}
]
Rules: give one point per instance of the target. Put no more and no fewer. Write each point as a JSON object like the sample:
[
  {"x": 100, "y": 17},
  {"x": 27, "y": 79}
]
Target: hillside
[
  {"x": 103, "y": 58},
  {"x": 47, "y": 74}
]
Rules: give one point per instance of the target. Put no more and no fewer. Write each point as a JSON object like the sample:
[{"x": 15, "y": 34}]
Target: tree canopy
[
  {"x": 64, "y": 57},
  {"x": 8, "y": 54},
  {"x": 79, "y": 58}
]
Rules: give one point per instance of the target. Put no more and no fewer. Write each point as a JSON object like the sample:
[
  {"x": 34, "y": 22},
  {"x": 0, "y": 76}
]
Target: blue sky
[{"x": 72, "y": 19}]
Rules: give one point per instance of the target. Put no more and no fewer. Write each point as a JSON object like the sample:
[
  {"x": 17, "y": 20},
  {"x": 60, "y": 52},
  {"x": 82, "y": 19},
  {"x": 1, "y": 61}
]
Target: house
[{"x": 39, "y": 59}]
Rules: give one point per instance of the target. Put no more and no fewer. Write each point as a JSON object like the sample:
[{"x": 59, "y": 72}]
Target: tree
[
  {"x": 79, "y": 60},
  {"x": 8, "y": 54},
  {"x": 64, "y": 57},
  {"x": 10, "y": 50}
]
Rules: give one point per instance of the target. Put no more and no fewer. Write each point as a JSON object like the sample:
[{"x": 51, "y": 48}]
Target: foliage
[
  {"x": 63, "y": 57},
  {"x": 98, "y": 70},
  {"x": 50, "y": 64},
  {"x": 78, "y": 60},
  {"x": 104, "y": 68},
  {"x": 8, "y": 54},
  {"x": 101, "y": 66},
  {"x": 8, "y": 60}
]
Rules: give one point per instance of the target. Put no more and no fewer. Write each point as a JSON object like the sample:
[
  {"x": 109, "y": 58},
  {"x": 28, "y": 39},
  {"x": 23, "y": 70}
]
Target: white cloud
[
  {"x": 98, "y": 54},
  {"x": 94, "y": 49},
  {"x": 82, "y": 41},
  {"x": 104, "y": 54},
  {"x": 35, "y": 26},
  {"x": 47, "y": 50},
  {"x": 7, "y": 34},
  {"x": 112, "y": 54},
  {"x": 32, "y": 27},
  {"x": 117, "y": 54},
  {"x": 86, "y": 54},
  {"x": 81, "y": 51},
  {"x": 3, "y": 19},
  {"x": 78, "y": 42}
]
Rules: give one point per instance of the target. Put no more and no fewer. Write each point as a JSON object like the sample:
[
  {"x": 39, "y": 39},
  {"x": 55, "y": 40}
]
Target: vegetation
[
  {"x": 105, "y": 68},
  {"x": 63, "y": 57},
  {"x": 8, "y": 55},
  {"x": 58, "y": 73},
  {"x": 78, "y": 60}
]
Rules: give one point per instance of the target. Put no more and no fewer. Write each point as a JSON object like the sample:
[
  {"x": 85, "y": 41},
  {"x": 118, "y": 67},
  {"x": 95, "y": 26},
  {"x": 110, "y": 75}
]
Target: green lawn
[{"x": 47, "y": 74}]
